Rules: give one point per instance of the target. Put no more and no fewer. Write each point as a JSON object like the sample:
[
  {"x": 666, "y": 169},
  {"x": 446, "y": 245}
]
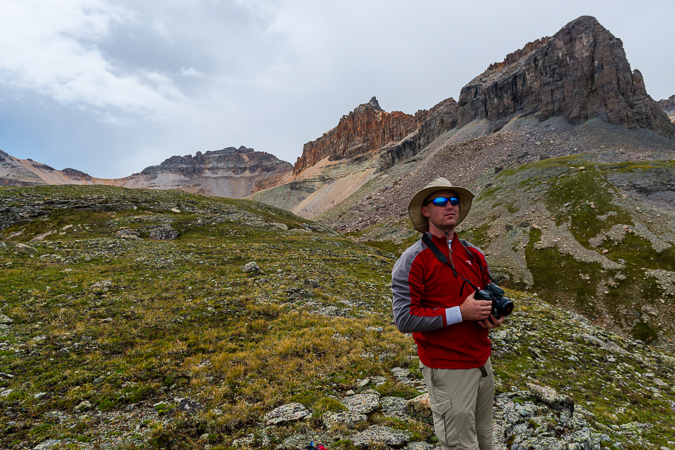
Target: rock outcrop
[
  {"x": 668, "y": 106},
  {"x": 366, "y": 129},
  {"x": 441, "y": 118},
  {"x": 580, "y": 73}
]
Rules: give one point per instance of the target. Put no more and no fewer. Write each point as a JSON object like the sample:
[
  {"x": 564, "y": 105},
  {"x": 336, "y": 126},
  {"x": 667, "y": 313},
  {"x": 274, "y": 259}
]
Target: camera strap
[{"x": 441, "y": 257}]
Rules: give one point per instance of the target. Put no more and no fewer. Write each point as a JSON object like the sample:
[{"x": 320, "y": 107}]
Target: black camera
[{"x": 501, "y": 306}]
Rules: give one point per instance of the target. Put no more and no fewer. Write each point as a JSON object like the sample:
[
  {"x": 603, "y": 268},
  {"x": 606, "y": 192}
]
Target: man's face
[{"x": 441, "y": 218}]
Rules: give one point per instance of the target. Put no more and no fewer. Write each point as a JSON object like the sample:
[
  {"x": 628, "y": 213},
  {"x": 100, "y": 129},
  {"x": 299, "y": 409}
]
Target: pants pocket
[{"x": 445, "y": 423}]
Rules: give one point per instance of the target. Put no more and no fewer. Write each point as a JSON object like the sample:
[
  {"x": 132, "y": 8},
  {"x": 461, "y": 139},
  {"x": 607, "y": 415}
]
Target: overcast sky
[{"x": 111, "y": 87}]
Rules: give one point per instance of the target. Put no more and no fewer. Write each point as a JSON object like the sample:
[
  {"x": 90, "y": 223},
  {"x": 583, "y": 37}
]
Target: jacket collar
[{"x": 443, "y": 239}]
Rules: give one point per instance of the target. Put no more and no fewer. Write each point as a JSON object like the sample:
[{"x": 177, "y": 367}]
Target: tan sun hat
[{"x": 420, "y": 222}]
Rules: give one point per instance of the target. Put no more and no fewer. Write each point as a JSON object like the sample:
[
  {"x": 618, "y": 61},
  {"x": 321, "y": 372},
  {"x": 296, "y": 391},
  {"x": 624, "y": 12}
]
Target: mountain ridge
[{"x": 230, "y": 172}]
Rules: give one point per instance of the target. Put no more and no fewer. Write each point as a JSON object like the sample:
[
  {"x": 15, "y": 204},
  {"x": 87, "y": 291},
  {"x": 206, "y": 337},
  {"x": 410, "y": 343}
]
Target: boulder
[{"x": 287, "y": 413}]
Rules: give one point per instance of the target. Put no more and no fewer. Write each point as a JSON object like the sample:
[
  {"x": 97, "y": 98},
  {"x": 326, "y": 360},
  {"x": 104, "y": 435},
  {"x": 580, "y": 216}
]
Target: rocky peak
[
  {"x": 367, "y": 128},
  {"x": 373, "y": 103},
  {"x": 668, "y": 106},
  {"x": 579, "y": 73}
]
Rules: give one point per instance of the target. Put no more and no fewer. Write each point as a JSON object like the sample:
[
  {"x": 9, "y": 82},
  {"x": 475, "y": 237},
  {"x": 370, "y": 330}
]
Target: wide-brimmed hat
[{"x": 420, "y": 222}]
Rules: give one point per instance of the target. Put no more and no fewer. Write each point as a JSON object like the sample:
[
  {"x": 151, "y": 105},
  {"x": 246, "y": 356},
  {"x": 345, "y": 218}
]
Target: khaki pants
[{"x": 461, "y": 401}]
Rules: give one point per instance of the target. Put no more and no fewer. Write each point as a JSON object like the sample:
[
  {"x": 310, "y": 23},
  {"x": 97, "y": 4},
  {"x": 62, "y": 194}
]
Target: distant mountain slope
[{"x": 230, "y": 172}]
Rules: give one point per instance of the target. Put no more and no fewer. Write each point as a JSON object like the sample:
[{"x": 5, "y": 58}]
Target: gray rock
[
  {"x": 163, "y": 233},
  {"x": 102, "y": 286},
  {"x": 287, "y": 413},
  {"x": 550, "y": 397},
  {"x": 24, "y": 249},
  {"x": 246, "y": 441},
  {"x": 84, "y": 406},
  {"x": 252, "y": 267},
  {"x": 5, "y": 320},
  {"x": 364, "y": 403},
  {"x": 378, "y": 434},
  {"x": 420, "y": 405},
  {"x": 127, "y": 233},
  {"x": 347, "y": 418},
  {"x": 47, "y": 444},
  {"x": 394, "y": 406},
  {"x": 189, "y": 406}
]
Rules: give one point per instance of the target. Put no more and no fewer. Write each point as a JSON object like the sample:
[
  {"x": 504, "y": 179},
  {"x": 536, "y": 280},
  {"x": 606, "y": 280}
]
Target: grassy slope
[{"x": 133, "y": 325}]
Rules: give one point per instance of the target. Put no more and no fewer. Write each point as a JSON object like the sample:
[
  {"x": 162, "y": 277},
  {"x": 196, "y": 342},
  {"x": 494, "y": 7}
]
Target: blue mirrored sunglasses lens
[{"x": 442, "y": 201}]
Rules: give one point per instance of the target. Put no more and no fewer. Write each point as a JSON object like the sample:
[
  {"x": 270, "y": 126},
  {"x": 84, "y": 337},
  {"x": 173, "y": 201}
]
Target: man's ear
[{"x": 425, "y": 211}]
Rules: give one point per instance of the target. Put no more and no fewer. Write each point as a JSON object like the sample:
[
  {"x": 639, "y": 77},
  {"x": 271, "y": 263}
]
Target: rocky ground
[{"x": 192, "y": 322}]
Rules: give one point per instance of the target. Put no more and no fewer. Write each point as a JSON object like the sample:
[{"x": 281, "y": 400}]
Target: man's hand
[
  {"x": 491, "y": 322},
  {"x": 473, "y": 309}
]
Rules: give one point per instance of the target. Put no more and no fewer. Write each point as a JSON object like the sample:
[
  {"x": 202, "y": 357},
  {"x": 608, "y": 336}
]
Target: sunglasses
[{"x": 442, "y": 201}]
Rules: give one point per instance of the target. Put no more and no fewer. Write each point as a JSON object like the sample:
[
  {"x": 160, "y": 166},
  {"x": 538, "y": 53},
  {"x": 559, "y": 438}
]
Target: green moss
[
  {"x": 559, "y": 277},
  {"x": 580, "y": 197},
  {"x": 478, "y": 235},
  {"x": 327, "y": 404}
]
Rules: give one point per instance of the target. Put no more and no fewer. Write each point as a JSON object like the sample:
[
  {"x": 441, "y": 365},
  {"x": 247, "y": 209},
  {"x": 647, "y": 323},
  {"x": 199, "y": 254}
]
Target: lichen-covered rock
[
  {"x": 83, "y": 406},
  {"x": 127, "y": 233},
  {"x": 420, "y": 405},
  {"x": 252, "y": 268},
  {"x": 378, "y": 434},
  {"x": 164, "y": 233},
  {"x": 287, "y": 413},
  {"x": 394, "y": 406},
  {"x": 349, "y": 419},
  {"x": 5, "y": 320},
  {"x": 364, "y": 403},
  {"x": 550, "y": 397},
  {"x": 24, "y": 249}
]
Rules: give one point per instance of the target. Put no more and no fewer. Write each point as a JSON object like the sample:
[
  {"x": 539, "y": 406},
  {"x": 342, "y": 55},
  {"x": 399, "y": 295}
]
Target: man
[{"x": 435, "y": 301}]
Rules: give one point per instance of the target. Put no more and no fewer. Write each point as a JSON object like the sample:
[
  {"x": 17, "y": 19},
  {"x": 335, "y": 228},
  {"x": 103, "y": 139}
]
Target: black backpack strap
[
  {"x": 437, "y": 251},
  {"x": 441, "y": 257}
]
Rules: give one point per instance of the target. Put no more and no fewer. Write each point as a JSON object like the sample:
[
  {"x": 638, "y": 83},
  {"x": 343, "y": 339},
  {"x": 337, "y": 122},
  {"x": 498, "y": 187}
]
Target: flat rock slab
[
  {"x": 287, "y": 413},
  {"x": 378, "y": 434},
  {"x": 347, "y": 418},
  {"x": 394, "y": 406},
  {"x": 551, "y": 398},
  {"x": 364, "y": 403}
]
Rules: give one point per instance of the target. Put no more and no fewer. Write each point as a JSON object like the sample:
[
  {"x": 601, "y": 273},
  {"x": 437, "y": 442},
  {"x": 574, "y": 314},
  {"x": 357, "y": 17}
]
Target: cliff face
[
  {"x": 580, "y": 73},
  {"x": 441, "y": 118},
  {"x": 363, "y": 130}
]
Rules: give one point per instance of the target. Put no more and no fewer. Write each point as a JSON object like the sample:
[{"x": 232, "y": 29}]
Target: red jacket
[{"x": 424, "y": 294}]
